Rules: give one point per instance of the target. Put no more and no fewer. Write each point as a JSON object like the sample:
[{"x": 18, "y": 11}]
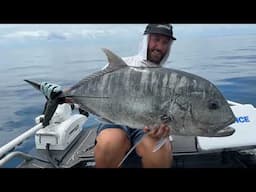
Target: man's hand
[
  {"x": 50, "y": 90},
  {"x": 158, "y": 132}
]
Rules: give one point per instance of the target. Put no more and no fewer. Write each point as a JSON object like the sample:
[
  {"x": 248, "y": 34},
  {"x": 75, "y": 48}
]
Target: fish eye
[{"x": 213, "y": 105}]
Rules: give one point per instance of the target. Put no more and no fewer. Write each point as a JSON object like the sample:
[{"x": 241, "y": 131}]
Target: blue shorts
[{"x": 134, "y": 135}]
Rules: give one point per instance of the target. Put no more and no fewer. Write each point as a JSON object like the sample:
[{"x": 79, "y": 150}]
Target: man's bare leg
[{"x": 112, "y": 144}]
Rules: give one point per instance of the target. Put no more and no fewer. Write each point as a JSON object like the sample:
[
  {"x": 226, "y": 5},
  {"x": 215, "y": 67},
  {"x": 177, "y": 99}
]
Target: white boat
[{"x": 65, "y": 143}]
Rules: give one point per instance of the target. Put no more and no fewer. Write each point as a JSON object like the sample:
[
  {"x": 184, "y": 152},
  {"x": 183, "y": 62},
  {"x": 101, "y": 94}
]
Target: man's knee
[
  {"x": 111, "y": 146},
  {"x": 112, "y": 137}
]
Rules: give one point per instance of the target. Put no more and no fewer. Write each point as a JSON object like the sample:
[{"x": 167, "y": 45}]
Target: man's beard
[{"x": 155, "y": 56}]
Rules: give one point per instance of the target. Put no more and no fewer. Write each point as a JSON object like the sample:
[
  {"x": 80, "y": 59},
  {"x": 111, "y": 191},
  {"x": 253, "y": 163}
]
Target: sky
[{"x": 11, "y": 34}]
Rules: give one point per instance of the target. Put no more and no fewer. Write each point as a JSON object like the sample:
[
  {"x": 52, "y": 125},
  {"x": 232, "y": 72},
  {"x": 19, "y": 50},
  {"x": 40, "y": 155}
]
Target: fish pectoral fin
[
  {"x": 87, "y": 96},
  {"x": 160, "y": 143}
]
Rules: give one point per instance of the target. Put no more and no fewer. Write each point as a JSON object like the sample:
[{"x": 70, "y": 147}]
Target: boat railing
[
  {"x": 14, "y": 143},
  {"x": 19, "y": 154}
]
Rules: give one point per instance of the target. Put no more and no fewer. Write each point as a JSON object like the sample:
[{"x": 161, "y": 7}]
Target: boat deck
[{"x": 80, "y": 155}]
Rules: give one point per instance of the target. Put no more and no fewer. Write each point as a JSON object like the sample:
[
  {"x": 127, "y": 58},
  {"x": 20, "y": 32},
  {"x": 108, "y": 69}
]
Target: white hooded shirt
[{"x": 140, "y": 60}]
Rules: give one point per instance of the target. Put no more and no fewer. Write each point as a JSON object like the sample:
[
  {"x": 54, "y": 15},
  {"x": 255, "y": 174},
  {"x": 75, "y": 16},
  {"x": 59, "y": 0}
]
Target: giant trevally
[
  {"x": 139, "y": 96},
  {"x": 146, "y": 96}
]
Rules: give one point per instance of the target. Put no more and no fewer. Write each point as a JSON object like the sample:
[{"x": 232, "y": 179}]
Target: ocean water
[{"x": 223, "y": 54}]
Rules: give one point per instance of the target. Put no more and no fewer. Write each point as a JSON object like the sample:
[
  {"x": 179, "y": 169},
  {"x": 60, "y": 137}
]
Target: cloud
[
  {"x": 26, "y": 34},
  {"x": 66, "y": 31},
  {"x": 56, "y": 36}
]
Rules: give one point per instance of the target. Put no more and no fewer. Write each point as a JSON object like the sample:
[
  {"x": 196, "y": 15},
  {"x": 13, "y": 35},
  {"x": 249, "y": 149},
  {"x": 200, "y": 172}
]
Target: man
[{"x": 114, "y": 141}]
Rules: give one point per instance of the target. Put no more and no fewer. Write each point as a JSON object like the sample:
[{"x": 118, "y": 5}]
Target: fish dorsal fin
[{"x": 114, "y": 62}]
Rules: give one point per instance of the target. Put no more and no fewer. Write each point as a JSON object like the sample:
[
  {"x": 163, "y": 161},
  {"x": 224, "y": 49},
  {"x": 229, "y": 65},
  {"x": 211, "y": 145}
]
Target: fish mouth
[
  {"x": 223, "y": 125},
  {"x": 227, "y": 131},
  {"x": 230, "y": 121},
  {"x": 223, "y": 130}
]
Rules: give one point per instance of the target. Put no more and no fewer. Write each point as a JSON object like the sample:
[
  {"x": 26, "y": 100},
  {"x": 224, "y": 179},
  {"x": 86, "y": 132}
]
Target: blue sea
[{"x": 225, "y": 54}]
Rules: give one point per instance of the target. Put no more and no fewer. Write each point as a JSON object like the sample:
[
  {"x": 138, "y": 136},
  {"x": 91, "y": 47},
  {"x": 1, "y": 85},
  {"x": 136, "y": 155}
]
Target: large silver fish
[{"x": 146, "y": 96}]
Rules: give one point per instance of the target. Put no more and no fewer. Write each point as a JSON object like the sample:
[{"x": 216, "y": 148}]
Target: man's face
[{"x": 157, "y": 47}]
